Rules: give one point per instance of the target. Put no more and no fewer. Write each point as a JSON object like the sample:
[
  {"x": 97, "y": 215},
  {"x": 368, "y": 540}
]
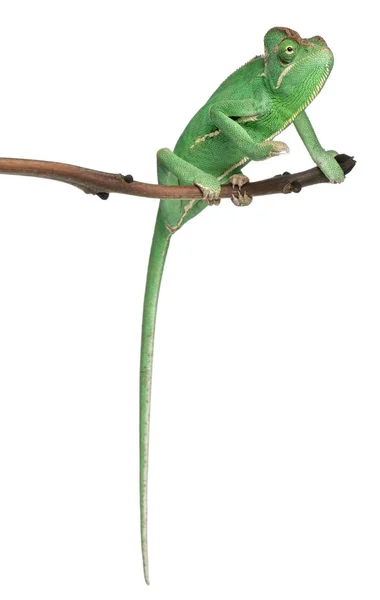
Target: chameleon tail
[{"x": 159, "y": 248}]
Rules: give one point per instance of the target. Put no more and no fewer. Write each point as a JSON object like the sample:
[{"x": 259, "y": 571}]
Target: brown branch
[{"x": 102, "y": 184}]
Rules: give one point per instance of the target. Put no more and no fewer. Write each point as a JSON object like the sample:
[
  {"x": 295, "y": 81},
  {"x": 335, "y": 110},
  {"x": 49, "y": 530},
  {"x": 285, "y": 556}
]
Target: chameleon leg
[
  {"x": 244, "y": 111},
  {"x": 189, "y": 174},
  {"x": 324, "y": 159}
]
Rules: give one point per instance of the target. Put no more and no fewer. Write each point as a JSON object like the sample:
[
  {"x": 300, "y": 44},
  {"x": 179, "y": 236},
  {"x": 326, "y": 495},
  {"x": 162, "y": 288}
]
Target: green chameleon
[{"x": 236, "y": 125}]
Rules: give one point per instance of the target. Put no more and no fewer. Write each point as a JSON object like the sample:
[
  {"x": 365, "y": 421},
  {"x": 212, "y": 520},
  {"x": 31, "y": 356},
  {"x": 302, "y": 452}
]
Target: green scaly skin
[{"x": 236, "y": 125}]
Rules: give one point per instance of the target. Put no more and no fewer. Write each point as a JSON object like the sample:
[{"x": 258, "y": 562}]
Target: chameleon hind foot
[
  {"x": 210, "y": 194},
  {"x": 237, "y": 197},
  {"x": 330, "y": 167}
]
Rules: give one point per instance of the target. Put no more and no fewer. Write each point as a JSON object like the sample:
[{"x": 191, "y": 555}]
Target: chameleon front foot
[
  {"x": 277, "y": 148},
  {"x": 330, "y": 167},
  {"x": 237, "y": 197}
]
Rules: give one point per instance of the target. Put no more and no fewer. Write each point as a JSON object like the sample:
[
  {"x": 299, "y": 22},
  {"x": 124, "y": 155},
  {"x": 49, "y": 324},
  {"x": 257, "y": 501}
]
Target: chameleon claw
[
  {"x": 210, "y": 196},
  {"x": 279, "y": 148},
  {"x": 238, "y": 198},
  {"x": 330, "y": 167},
  {"x": 238, "y": 180},
  {"x": 241, "y": 199}
]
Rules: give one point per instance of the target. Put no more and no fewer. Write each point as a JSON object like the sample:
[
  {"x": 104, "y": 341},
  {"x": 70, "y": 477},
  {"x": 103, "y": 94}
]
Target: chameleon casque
[{"x": 236, "y": 125}]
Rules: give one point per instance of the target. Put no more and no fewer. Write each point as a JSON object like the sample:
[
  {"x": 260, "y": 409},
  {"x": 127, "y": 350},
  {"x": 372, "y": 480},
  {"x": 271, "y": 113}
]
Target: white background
[{"x": 265, "y": 451}]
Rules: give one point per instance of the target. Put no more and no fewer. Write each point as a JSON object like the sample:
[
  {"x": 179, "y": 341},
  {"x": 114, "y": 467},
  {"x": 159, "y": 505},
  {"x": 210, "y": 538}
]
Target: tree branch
[{"x": 102, "y": 184}]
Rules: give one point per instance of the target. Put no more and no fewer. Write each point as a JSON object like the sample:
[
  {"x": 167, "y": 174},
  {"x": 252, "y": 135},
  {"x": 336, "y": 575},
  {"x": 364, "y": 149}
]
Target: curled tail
[{"x": 160, "y": 244}]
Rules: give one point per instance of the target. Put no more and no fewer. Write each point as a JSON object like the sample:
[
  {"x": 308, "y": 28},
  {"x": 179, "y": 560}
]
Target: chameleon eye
[{"x": 287, "y": 51}]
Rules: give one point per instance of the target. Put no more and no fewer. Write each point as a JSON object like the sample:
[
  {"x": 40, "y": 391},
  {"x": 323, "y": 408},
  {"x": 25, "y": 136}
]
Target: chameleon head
[{"x": 296, "y": 68}]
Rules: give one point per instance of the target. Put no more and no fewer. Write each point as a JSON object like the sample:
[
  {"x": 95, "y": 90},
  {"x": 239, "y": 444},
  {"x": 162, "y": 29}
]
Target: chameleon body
[{"x": 236, "y": 125}]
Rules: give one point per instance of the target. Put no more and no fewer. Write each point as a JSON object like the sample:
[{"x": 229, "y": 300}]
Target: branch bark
[{"x": 102, "y": 184}]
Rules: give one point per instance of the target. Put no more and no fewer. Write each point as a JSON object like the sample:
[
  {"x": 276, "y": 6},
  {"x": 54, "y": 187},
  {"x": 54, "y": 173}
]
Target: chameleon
[{"x": 237, "y": 124}]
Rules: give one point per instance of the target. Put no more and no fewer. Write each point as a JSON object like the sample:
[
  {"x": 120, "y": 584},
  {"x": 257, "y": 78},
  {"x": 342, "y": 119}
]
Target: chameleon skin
[{"x": 236, "y": 125}]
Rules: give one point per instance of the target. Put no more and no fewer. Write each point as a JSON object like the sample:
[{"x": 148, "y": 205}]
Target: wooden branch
[{"x": 102, "y": 184}]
